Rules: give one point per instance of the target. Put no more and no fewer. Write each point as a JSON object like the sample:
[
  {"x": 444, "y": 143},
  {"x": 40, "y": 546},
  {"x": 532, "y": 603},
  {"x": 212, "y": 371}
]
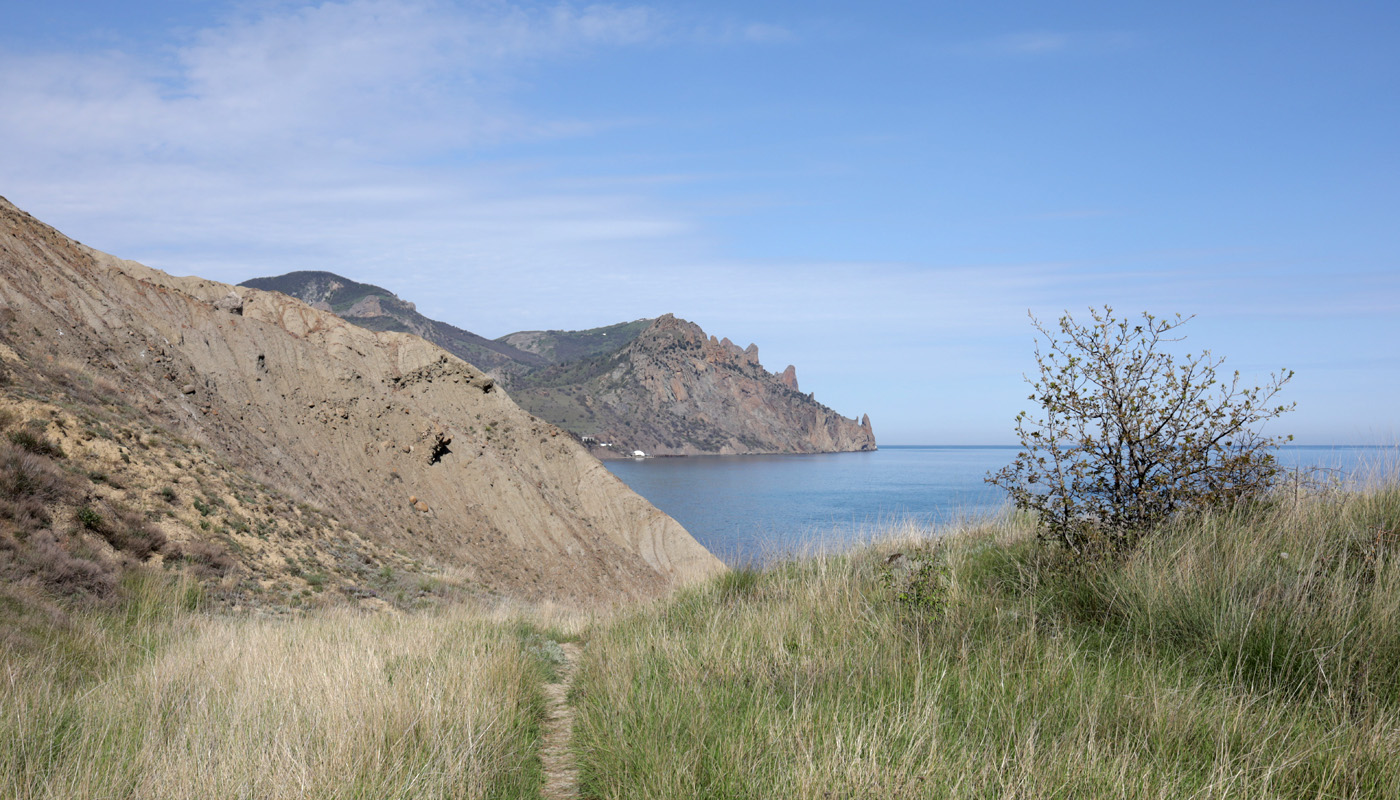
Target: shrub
[
  {"x": 124, "y": 529},
  {"x": 88, "y": 517},
  {"x": 1127, "y": 436},
  {"x": 134, "y": 534},
  {"x": 28, "y": 482},
  {"x": 61, "y": 570},
  {"x": 35, "y": 443},
  {"x": 208, "y": 559}
]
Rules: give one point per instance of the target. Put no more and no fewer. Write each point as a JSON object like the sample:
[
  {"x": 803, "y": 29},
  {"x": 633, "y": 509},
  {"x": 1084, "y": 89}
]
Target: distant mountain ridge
[
  {"x": 660, "y": 385},
  {"x": 379, "y": 309}
]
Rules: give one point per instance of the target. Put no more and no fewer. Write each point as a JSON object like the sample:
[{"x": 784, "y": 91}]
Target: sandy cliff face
[
  {"x": 674, "y": 391},
  {"x": 418, "y": 451}
]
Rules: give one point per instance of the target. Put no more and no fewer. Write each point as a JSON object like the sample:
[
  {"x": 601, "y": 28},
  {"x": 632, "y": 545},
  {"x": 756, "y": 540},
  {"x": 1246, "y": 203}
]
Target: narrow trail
[{"x": 560, "y": 773}]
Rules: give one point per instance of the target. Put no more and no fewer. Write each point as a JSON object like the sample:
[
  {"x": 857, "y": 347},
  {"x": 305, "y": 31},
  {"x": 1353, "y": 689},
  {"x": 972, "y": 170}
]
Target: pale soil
[{"x": 560, "y": 773}]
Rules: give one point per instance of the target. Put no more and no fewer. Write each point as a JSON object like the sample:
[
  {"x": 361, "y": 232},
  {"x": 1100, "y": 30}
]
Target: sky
[{"x": 881, "y": 193}]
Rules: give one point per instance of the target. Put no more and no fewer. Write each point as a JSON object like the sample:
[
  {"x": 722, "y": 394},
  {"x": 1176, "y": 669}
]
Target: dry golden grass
[{"x": 335, "y": 705}]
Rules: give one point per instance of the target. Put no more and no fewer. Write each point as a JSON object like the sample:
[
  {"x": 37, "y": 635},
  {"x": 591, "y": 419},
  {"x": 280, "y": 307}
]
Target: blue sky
[{"x": 875, "y": 192}]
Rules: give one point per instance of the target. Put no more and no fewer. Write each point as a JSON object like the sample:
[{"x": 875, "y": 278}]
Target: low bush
[
  {"x": 126, "y": 530},
  {"x": 917, "y": 578},
  {"x": 35, "y": 443},
  {"x": 63, "y": 566},
  {"x": 208, "y": 559},
  {"x": 29, "y": 484}
]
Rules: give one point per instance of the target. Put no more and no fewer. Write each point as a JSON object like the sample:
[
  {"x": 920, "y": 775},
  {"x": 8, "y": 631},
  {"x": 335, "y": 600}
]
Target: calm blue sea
[{"x": 756, "y": 507}]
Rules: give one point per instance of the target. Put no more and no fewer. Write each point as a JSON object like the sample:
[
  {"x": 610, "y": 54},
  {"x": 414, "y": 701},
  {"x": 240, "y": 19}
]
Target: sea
[{"x": 748, "y": 509}]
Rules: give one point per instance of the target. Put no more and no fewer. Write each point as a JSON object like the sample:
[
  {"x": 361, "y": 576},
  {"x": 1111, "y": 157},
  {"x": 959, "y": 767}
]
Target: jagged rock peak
[
  {"x": 368, "y": 307},
  {"x": 789, "y": 377},
  {"x": 672, "y": 323}
]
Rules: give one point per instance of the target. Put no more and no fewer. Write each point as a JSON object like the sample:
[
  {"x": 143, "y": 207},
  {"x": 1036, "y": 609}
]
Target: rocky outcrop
[
  {"x": 789, "y": 379},
  {"x": 675, "y": 391},
  {"x": 420, "y": 452}
]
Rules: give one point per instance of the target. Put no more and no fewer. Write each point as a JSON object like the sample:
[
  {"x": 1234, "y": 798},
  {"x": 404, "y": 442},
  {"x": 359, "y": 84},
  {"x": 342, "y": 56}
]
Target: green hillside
[
  {"x": 318, "y": 286},
  {"x": 559, "y": 347}
]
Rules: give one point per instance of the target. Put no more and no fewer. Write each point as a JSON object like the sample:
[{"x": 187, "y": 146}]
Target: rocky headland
[{"x": 673, "y": 390}]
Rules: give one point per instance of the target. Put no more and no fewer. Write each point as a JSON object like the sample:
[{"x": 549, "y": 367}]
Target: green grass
[{"x": 1207, "y": 665}]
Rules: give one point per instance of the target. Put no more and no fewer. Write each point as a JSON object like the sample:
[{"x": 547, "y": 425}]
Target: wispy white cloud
[
  {"x": 355, "y": 77},
  {"x": 732, "y": 31},
  {"x": 766, "y": 32},
  {"x": 298, "y": 136},
  {"x": 334, "y": 133},
  {"x": 1031, "y": 44}
]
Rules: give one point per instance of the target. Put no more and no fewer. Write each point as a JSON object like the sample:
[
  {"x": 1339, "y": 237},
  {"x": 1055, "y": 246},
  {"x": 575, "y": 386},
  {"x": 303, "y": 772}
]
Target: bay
[{"x": 756, "y": 508}]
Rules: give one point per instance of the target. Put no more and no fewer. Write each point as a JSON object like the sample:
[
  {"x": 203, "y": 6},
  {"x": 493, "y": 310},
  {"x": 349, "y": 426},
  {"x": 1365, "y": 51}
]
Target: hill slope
[
  {"x": 422, "y": 457},
  {"x": 558, "y": 347}
]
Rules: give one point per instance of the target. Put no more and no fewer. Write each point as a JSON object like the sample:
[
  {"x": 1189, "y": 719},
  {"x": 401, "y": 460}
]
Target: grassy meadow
[{"x": 1254, "y": 655}]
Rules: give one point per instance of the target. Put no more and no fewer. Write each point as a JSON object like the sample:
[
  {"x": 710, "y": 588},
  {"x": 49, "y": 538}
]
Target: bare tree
[{"x": 1126, "y": 436}]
